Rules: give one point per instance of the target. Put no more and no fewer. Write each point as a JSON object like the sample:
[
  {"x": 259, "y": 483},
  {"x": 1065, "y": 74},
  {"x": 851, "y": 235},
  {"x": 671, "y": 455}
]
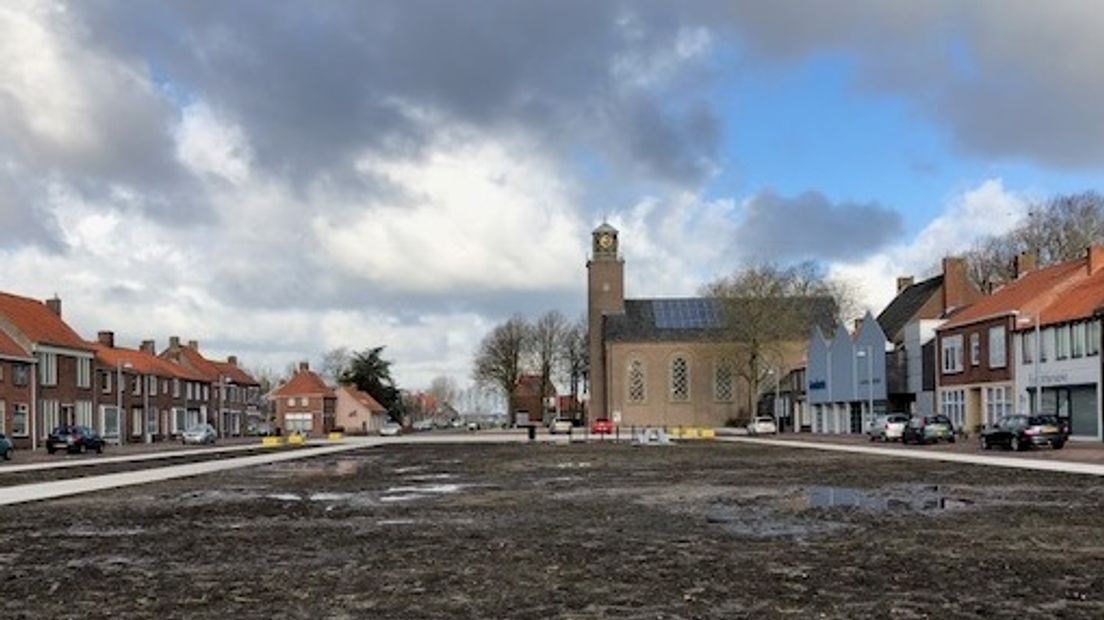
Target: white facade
[
  {"x": 1068, "y": 373},
  {"x": 917, "y": 334}
]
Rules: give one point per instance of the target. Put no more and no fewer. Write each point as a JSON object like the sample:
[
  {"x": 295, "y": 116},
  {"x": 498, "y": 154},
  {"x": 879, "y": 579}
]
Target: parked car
[
  {"x": 1018, "y": 432},
  {"x": 6, "y": 447},
  {"x": 923, "y": 429},
  {"x": 888, "y": 427},
  {"x": 560, "y": 426},
  {"x": 423, "y": 425},
  {"x": 199, "y": 434},
  {"x": 390, "y": 429},
  {"x": 473, "y": 425},
  {"x": 602, "y": 426},
  {"x": 74, "y": 439},
  {"x": 762, "y": 425}
]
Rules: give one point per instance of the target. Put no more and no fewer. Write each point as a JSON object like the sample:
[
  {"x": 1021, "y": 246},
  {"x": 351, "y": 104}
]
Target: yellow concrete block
[
  {"x": 296, "y": 439},
  {"x": 272, "y": 442},
  {"x": 708, "y": 433},
  {"x": 690, "y": 433},
  {"x": 335, "y": 436}
]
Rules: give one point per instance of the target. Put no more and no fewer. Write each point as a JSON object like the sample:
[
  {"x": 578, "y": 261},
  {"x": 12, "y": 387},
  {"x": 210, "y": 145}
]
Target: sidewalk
[
  {"x": 131, "y": 449},
  {"x": 1075, "y": 451}
]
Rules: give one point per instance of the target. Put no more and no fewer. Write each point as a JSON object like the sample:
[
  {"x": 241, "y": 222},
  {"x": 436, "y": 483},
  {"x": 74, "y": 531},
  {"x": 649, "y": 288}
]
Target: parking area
[{"x": 701, "y": 530}]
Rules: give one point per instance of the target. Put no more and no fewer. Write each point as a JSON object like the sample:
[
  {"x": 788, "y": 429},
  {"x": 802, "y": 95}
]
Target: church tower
[{"x": 605, "y": 295}]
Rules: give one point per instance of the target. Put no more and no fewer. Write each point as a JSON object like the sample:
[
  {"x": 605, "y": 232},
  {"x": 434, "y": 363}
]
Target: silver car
[
  {"x": 888, "y": 427},
  {"x": 390, "y": 429},
  {"x": 199, "y": 434}
]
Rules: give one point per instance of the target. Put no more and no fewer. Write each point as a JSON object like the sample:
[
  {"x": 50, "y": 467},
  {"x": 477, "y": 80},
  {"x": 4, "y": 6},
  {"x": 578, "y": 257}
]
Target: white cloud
[{"x": 988, "y": 209}]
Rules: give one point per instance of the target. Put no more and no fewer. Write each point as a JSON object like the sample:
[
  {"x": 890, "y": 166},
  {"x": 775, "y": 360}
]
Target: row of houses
[
  {"x": 50, "y": 375},
  {"x": 943, "y": 346}
]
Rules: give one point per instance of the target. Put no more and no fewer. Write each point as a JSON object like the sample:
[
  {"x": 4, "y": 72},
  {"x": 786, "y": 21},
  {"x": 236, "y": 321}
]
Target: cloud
[
  {"x": 988, "y": 209},
  {"x": 1005, "y": 78}
]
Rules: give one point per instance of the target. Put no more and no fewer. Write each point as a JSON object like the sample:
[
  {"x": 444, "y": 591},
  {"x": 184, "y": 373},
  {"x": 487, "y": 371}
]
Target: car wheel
[
  {"x": 1014, "y": 444},
  {"x": 7, "y": 454},
  {"x": 950, "y": 439},
  {"x": 50, "y": 450},
  {"x": 1058, "y": 445},
  {"x": 99, "y": 448}
]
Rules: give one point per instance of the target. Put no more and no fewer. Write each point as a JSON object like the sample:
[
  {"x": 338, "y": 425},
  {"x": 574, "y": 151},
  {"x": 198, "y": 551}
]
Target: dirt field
[{"x": 581, "y": 531}]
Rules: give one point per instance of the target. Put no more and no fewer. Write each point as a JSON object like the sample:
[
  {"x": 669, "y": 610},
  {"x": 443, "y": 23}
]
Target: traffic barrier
[
  {"x": 335, "y": 436},
  {"x": 708, "y": 433},
  {"x": 296, "y": 439},
  {"x": 272, "y": 442}
]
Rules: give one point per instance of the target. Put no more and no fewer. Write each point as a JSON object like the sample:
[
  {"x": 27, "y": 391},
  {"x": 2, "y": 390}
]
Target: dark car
[
  {"x": 1017, "y": 432},
  {"x": 6, "y": 448},
  {"x": 74, "y": 439},
  {"x": 928, "y": 429}
]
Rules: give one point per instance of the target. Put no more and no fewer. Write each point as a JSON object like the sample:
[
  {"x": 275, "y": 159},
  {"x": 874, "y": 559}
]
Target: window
[
  {"x": 1, "y": 373},
  {"x": 1046, "y": 344},
  {"x": 179, "y": 420},
  {"x": 1027, "y": 340},
  {"x": 636, "y": 382},
  {"x": 953, "y": 405},
  {"x": 291, "y": 402},
  {"x": 998, "y": 403},
  {"x": 84, "y": 373},
  {"x": 952, "y": 354},
  {"x": 137, "y": 385},
  {"x": 997, "y": 357},
  {"x": 680, "y": 380},
  {"x": 21, "y": 374},
  {"x": 1063, "y": 334},
  {"x": 84, "y": 413},
  {"x": 1078, "y": 348},
  {"x": 110, "y": 422},
  {"x": 165, "y": 387},
  {"x": 300, "y": 422},
  {"x": 49, "y": 409},
  {"x": 975, "y": 349},
  {"x": 19, "y": 420},
  {"x": 105, "y": 381},
  {"x": 1092, "y": 346},
  {"x": 190, "y": 388},
  {"x": 206, "y": 392},
  {"x": 176, "y": 388},
  {"x": 47, "y": 369},
  {"x": 723, "y": 390},
  {"x": 3, "y": 416},
  {"x": 152, "y": 381},
  {"x": 303, "y": 401},
  {"x": 151, "y": 421},
  {"x": 136, "y": 422}
]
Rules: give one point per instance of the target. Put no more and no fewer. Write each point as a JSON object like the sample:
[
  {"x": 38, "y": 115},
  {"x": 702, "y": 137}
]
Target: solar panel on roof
[{"x": 685, "y": 313}]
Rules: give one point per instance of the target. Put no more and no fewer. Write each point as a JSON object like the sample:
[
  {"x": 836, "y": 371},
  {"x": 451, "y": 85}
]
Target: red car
[{"x": 602, "y": 426}]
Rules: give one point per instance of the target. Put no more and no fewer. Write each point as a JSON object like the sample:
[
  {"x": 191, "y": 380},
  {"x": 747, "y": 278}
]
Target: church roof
[
  {"x": 605, "y": 227},
  {"x": 694, "y": 319}
]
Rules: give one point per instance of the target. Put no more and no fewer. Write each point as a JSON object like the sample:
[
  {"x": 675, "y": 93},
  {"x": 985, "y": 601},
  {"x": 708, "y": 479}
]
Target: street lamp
[
  {"x": 1036, "y": 354},
  {"x": 119, "y": 396},
  {"x": 868, "y": 353}
]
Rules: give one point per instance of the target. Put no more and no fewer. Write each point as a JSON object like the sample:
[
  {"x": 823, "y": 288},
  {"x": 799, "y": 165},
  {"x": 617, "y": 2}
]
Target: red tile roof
[
  {"x": 364, "y": 398},
  {"x": 1028, "y": 295},
  {"x": 305, "y": 383},
  {"x": 235, "y": 373},
  {"x": 200, "y": 364},
  {"x": 143, "y": 363},
  {"x": 11, "y": 348},
  {"x": 1079, "y": 302},
  {"x": 38, "y": 323}
]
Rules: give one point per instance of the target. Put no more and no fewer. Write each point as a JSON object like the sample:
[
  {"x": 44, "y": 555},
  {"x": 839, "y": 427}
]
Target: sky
[{"x": 276, "y": 179}]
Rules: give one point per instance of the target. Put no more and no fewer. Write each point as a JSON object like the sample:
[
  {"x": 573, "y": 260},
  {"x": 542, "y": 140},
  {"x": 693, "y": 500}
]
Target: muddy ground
[{"x": 580, "y": 531}]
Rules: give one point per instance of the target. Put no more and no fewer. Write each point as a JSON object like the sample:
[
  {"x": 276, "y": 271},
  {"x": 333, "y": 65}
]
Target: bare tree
[
  {"x": 500, "y": 358},
  {"x": 546, "y": 347},
  {"x": 444, "y": 390},
  {"x": 1055, "y": 230},
  {"x": 765, "y": 306},
  {"x": 334, "y": 363},
  {"x": 575, "y": 357}
]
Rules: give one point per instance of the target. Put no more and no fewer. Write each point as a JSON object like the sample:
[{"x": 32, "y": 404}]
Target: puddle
[
  {"x": 284, "y": 497},
  {"x": 104, "y": 532},
  {"x": 424, "y": 489},
  {"x": 330, "y": 497},
  {"x": 410, "y": 469},
  {"x": 917, "y": 499},
  {"x": 570, "y": 465},
  {"x": 409, "y": 497},
  {"x": 386, "y": 522},
  {"x": 762, "y": 524},
  {"x": 346, "y": 467},
  {"x": 427, "y": 477}
]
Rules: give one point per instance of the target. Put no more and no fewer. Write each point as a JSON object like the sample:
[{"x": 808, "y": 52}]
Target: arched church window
[
  {"x": 680, "y": 379},
  {"x": 636, "y": 381},
  {"x": 723, "y": 381}
]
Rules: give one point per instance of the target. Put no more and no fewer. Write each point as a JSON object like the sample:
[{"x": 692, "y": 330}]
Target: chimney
[
  {"x": 106, "y": 338},
  {"x": 1025, "y": 262},
  {"x": 304, "y": 366},
  {"x": 956, "y": 288},
  {"x": 174, "y": 342},
  {"x": 903, "y": 282},
  {"x": 149, "y": 346},
  {"x": 54, "y": 304},
  {"x": 193, "y": 345},
  {"x": 1095, "y": 258},
  {"x": 858, "y": 324},
  {"x": 232, "y": 360}
]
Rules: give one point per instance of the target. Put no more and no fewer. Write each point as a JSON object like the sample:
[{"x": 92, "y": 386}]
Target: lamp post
[
  {"x": 868, "y": 353},
  {"x": 119, "y": 397}
]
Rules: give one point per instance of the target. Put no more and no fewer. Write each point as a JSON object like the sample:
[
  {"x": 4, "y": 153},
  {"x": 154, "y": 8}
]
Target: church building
[{"x": 669, "y": 361}]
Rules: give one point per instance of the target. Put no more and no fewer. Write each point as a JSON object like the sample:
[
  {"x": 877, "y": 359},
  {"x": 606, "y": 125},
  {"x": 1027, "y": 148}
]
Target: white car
[
  {"x": 199, "y": 434},
  {"x": 560, "y": 426},
  {"x": 890, "y": 427},
  {"x": 762, "y": 425},
  {"x": 390, "y": 429}
]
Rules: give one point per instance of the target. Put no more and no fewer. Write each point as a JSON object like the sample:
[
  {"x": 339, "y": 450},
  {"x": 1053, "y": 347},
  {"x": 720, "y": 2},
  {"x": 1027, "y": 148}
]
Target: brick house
[
  {"x": 305, "y": 404},
  {"x": 975, "y": 365},
  {"x": 159, "y": 399},
  {"x": 527, "y": 397},
  {"x": 63, "y": 382},
  {"x": 231, "y": 394},
  {"x": 16, "y": 394}
]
